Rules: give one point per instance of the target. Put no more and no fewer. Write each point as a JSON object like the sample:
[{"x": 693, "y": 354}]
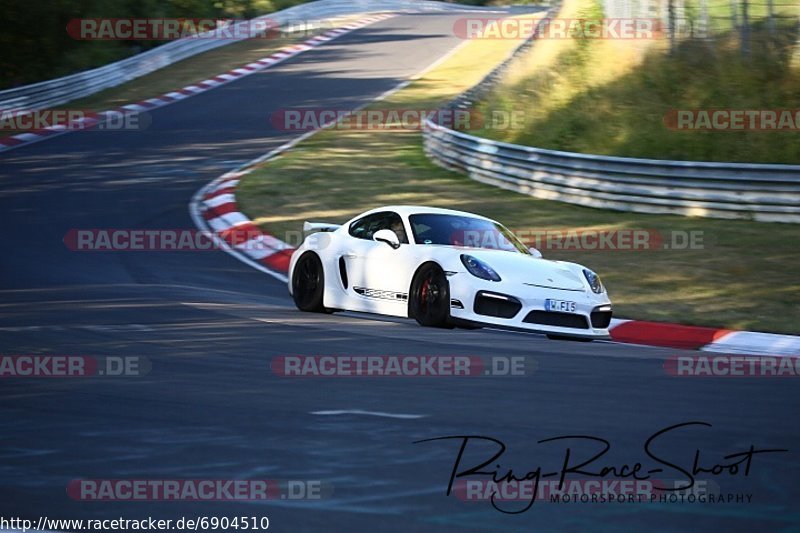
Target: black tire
[
  {"x": 429, "y": 298},
  {"x": 308, "y": 284},
  {"x": 554, "y": 337}
]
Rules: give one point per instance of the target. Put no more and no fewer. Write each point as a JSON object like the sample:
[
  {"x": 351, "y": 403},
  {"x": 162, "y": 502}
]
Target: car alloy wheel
[{"x": 430, "y": 297}]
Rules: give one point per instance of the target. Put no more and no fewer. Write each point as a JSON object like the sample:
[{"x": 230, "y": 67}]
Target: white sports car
[{"x": 444, "y": 268}]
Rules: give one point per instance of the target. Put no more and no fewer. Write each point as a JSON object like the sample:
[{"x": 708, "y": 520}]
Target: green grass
[
  {"x": 745, "y": 277},
  {"x": 605, "y": 98}
]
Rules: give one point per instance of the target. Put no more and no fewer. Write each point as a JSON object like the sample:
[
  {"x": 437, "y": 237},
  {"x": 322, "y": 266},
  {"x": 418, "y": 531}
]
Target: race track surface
[{"x": 211, "y": 408}]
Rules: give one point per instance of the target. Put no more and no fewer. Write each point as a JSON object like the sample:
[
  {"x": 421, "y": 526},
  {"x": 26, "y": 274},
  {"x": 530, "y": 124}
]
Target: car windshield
[{"x": 457, "y": 230}]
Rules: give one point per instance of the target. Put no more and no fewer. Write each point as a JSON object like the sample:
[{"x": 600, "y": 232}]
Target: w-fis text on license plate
[{"x": 559, "y": 305}]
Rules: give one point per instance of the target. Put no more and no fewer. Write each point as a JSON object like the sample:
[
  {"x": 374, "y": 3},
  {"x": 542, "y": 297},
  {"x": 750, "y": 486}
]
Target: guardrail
[
  {"x": 768, "y": 193},
  {"x": 62, "y": 90}
]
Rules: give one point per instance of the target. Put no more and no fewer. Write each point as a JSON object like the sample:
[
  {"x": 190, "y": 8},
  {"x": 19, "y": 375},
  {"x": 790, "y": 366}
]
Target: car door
[{"x": 376, "y": 272}]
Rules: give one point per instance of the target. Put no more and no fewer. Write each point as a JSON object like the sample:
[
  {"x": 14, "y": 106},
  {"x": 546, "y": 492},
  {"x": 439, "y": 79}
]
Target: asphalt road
[{"x": 211, "y": 408}]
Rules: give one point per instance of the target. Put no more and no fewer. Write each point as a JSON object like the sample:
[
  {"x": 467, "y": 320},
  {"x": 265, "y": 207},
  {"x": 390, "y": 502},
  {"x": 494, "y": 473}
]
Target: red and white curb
[
  {"x": 716, "y": 340},
  {"x": 215, "y": 210},
  {"x": 288, "y": 52}
]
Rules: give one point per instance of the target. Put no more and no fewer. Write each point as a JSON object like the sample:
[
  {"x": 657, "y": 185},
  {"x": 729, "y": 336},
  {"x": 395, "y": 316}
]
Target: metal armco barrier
[
  {"x": 767, "y": 193},
  {"x": 62, "y": 90}
]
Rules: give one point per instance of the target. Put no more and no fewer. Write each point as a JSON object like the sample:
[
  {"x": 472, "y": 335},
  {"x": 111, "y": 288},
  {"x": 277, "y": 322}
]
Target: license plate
[{"x": 561, "y": 306}]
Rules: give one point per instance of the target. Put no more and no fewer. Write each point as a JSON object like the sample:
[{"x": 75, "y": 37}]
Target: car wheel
[
  {"x": 308, "y": 284},
  {"x": 429, "y": 302}
]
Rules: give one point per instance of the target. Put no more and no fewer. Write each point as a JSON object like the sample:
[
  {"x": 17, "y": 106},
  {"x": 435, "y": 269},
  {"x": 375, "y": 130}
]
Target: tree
[
  {"x": 745, "y": 29},
  {"x": 672, "y": 37}
]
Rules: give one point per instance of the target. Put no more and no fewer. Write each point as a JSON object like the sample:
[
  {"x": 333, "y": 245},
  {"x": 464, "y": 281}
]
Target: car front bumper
[{"x": 522, "y": 307}]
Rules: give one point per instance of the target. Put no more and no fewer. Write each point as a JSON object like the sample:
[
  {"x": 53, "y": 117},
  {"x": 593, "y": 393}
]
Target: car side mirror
[
  {"x": 387, "y": 236},
  {"x": 535, "y": 253}
]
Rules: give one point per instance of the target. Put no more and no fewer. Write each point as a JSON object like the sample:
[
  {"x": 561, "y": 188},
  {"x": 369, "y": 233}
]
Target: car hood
[{"x": 526, "y": 269}]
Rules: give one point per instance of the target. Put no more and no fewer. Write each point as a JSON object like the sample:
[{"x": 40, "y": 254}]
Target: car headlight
[
  {"x": 594, "y": 281},
  {"x": 479, "y": 269}
]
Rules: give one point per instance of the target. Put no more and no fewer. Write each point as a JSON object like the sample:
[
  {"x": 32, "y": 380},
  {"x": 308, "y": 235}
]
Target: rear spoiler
[{"x": 320, "y": 226}]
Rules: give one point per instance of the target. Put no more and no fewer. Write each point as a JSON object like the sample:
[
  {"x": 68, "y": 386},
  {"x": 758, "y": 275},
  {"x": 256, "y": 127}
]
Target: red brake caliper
[{"x": 425, "y": 285}]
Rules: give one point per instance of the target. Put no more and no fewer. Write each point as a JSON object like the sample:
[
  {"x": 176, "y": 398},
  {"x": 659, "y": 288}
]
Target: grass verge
[
  {"x": 613, "y": 97},
  {"x": 743, "y": 277}
]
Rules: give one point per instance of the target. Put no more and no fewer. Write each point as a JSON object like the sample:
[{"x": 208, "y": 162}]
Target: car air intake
[
  {"x": 601, "y": 317},
  {"x": 497, "y": 305},
  {"x": 343, "y": 272},
  {"x": 564, "y": 320}
]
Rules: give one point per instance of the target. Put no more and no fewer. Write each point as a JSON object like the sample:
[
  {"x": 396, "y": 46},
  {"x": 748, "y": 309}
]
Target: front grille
[
  {"x": 601, "y": 319},
  {"x": 497, "y": 305},
  {"x": 551, "y": 318}
]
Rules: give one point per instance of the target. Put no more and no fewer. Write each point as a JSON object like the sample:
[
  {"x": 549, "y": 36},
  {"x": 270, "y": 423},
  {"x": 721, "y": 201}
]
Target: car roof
[{"x": 406, "y": 210}]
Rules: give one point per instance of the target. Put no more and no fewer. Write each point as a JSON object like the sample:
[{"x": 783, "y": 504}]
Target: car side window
[{"x": 365, "y": 228}]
